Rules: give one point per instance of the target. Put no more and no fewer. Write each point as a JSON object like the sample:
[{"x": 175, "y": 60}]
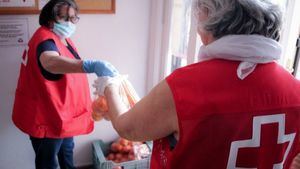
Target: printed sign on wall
[
  {"x": 17, "y": 3},
  {"x": 14, "y": 32},
  {"x": 35, "y": 6}
]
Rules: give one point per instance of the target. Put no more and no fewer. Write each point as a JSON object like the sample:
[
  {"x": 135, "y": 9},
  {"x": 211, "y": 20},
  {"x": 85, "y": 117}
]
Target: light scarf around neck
[{"x": 249, "y": 49}]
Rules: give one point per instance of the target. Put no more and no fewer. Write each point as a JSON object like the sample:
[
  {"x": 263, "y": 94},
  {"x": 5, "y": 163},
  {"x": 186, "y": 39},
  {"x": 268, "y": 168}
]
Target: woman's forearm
[
  {"x": 54, "y": 63},
  {"x": 64, "y": 65},
  {"x": 116, "y": 108}
]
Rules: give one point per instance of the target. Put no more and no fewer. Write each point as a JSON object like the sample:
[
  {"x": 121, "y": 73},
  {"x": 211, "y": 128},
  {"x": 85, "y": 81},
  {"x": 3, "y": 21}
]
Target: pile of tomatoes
[{"x": 122, "y": 150}]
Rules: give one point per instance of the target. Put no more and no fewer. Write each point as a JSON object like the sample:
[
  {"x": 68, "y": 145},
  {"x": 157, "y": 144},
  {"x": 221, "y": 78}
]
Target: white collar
[{"x": 249, "y": 49}]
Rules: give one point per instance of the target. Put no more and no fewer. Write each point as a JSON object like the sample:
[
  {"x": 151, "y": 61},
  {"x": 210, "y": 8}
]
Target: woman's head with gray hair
[{"x": 227, "y": 17}]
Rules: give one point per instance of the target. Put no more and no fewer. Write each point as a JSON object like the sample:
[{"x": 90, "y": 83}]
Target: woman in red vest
[
  {"x": 235, "y": 108},
  {"x": 52, "y": 100}
]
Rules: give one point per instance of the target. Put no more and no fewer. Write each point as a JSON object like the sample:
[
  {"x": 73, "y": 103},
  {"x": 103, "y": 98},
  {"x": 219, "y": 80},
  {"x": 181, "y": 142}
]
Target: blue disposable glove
[{"x": 101, "y": 68}]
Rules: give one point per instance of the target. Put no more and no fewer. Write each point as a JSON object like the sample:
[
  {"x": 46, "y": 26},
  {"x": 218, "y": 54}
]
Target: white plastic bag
[{"x": 126, "y": 92}]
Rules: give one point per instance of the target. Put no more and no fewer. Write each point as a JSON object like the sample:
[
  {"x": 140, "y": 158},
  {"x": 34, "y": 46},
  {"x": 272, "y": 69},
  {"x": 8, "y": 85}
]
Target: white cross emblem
[{"x": 258, "y": 121}]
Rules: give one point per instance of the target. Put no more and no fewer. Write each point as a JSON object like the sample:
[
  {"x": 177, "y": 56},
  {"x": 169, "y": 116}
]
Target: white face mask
[{"x": 64, "y": 29}]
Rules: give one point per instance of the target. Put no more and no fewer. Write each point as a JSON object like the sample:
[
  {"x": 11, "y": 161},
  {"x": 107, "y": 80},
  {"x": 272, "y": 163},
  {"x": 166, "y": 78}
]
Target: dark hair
[{"x": 51, "y": 10}]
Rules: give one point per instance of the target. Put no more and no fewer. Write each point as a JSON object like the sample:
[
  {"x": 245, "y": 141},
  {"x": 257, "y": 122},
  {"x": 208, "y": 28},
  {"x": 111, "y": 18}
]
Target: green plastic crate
[{"x": 101, "y": 150}]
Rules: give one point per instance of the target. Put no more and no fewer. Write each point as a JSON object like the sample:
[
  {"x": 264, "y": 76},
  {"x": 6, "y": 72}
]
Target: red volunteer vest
[
  {"x": 228, "y": 123},
  {"x": 51, "y": 109}
]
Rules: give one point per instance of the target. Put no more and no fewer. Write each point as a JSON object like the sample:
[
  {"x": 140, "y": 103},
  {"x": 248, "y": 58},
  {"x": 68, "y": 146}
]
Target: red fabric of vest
[
  {"x": 52, "y": 109},
  {"x": 230, "y": 123}
]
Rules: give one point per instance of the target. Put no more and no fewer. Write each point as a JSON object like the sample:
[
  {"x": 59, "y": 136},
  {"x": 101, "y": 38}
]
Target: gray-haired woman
[{"x": 236, "y": 108}]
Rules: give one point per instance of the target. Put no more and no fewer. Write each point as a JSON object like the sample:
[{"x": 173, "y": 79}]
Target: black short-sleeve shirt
[{"x": 49, "y": 45}]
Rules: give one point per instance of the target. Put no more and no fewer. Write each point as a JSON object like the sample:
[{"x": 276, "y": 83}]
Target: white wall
[{"x": 121, "y": 38}]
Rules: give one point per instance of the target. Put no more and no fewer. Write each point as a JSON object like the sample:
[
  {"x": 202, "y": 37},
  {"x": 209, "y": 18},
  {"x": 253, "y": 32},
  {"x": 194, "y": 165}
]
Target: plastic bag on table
[
  {"x": 126, "y": 92},
  {"x": 141, "y": 150}
]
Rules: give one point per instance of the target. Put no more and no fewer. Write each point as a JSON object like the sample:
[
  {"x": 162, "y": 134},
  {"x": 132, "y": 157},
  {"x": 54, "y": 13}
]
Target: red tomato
[
  {"x": 96, "y": 115},
  {"x": 119, "y": 147},
  {"x": 100, "y": 104},
  {"x": 114, "y": 147},
  {"x": 131, "y": 157},
  {"x": 131, "y": 151},
  {"x": 123, "y": 141},
  {"x": 127, "y": 149},
  {"x": 110, "y": 156},
  {"x": 124, "y": 159},
  {"x": 119, "y": 156}
]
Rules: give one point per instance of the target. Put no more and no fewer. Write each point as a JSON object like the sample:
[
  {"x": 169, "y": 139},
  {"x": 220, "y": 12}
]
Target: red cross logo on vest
[
  {"x": 25, "y": 56},
  {"x": 269, "y": 144}
]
